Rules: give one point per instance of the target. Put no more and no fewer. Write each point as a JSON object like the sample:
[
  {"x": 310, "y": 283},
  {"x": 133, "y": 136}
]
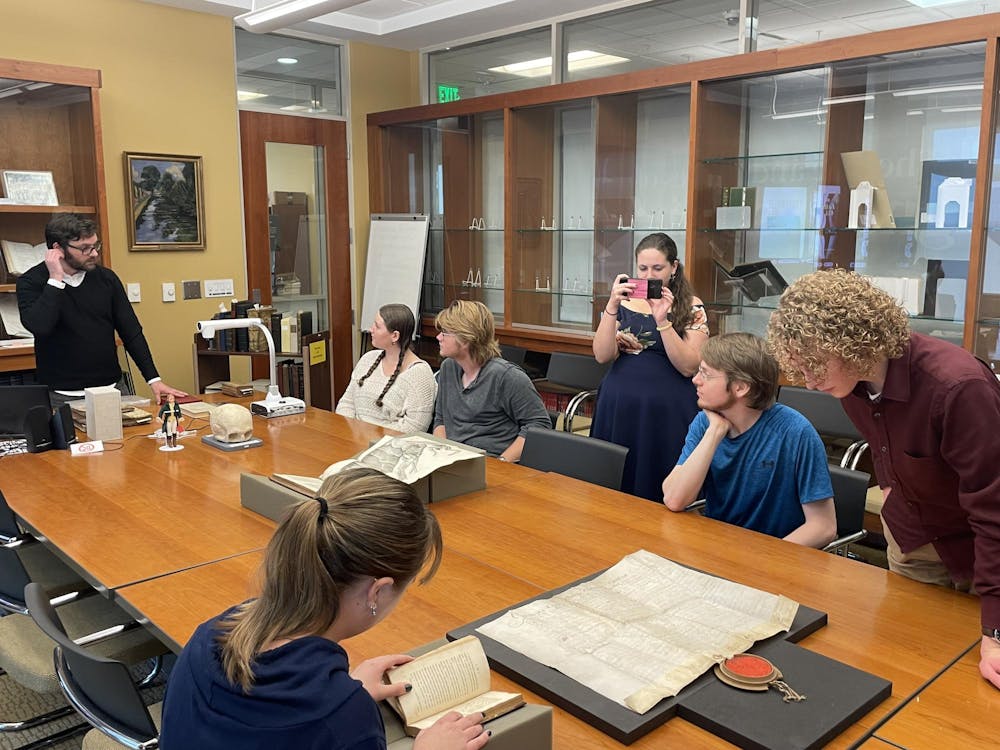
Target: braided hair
[{"x": 397, "y": 318}]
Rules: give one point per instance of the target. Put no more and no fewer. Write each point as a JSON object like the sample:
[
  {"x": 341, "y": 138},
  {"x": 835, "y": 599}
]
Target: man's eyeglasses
[
  {"x": 87, "y": 249},
  {"x": 706, "y": 376}
]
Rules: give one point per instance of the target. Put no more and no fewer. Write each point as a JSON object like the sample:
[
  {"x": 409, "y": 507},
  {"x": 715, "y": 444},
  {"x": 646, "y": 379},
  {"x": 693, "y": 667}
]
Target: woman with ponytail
[
  {"x": 270, "y": 673},
  {"x": 647, "y": 400},
  {"x": 391, "y": 386}
]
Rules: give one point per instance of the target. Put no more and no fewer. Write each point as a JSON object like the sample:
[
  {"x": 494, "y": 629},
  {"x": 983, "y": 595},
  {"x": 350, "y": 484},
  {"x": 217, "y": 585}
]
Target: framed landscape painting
[{"x": 165, "y": 203}]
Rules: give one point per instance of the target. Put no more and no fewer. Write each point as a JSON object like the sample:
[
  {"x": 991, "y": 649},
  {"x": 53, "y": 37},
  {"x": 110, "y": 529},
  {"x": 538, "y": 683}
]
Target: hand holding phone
[{"x": 647, "y": 288}]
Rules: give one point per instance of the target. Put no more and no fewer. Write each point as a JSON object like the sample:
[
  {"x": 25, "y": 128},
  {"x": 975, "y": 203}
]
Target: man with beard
[
  {"x": 74, "y": 306},
  {"x": 758, "y": 464}
]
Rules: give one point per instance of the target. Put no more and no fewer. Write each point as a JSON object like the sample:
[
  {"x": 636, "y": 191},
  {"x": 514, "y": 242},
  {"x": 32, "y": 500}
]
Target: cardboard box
[{"x": 272, "y": 500}]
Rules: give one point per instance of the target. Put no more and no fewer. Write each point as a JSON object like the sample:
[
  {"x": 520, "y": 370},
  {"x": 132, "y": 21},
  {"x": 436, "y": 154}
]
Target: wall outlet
[
  {"x": 134, "y": 292},
  {"x": 169, "y": 291},
  {"x": 219, "y": 288},
  {"x": 192, "y": 289}
]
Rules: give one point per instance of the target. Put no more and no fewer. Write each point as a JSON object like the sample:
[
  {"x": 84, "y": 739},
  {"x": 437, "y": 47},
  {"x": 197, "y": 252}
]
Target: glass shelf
[
  {"x": 774, "y": 306},
  {"x": 442, "y": 285},
  {"x": 556, "y": 293},
  {"x": 468, "y": 230},
  {"x": 833, "y": 230},
  {"x": 732, "y": 159}
]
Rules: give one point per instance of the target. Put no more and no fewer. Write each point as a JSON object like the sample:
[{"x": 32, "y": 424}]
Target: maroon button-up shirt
[{"x": 934, "y": 436}]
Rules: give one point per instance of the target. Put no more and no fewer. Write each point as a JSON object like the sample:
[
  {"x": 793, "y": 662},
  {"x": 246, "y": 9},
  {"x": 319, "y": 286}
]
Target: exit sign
[{"x": 448, "y": 93}]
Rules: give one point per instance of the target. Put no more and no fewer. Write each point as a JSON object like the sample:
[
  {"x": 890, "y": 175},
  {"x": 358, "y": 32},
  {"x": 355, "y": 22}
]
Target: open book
[
  {"x": 454, "y": 677},
  {"x": 20, "y": 256}
]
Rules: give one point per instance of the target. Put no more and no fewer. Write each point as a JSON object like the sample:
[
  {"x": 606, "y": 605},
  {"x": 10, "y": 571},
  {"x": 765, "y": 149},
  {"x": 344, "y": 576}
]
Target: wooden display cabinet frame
[{"x": 712, "y": 130}]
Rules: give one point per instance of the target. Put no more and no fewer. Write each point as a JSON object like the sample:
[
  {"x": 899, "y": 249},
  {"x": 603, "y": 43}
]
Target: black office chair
[
  {"x": 26, "y": 653},
  {"x": 579, "y": 375},
  {"x": 826, "y": 414},
  {"x": 850, "y": 489},
  {"x": 513, "y": 354},
  {"x": 592, "y": 460},
  {"x": 100, "y": 689}
]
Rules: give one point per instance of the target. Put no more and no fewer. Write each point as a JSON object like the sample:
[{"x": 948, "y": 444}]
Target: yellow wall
[
  {"x": 380, "y": 79},
  {"x": 168, "y": 88}
]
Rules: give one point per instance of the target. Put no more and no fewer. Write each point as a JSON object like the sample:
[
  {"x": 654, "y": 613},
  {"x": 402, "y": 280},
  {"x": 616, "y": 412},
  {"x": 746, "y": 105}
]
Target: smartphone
[{"x": 647, "y": 289}]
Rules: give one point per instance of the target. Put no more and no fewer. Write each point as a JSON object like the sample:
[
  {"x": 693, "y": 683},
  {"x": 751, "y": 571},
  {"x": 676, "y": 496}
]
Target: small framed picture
[
  {"x": 29, "y": 188},
  {"x": 165, "y": 202}
]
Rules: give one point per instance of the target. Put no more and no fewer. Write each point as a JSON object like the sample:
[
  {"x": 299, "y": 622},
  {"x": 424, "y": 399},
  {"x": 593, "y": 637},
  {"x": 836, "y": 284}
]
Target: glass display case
[
  {"x": 590, "y": 178},
  {"x": 868, "y": 164},
  {"x": 452, "y": 169}
]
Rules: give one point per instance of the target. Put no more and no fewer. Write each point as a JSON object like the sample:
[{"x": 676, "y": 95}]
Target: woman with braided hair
[
  {"x": 271, "y": 674},
  {"x": 391, "y": 386}
]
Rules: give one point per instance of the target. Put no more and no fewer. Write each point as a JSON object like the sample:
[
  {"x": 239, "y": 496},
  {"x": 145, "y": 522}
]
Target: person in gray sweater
[{"x": 483, "y": 400}]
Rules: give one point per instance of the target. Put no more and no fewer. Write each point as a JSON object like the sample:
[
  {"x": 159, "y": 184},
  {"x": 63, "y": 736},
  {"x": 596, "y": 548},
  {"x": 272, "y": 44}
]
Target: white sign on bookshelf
[{"x": 29, "y": 188}]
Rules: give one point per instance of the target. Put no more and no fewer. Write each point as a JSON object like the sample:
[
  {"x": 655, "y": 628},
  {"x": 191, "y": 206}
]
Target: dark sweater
[
  {"x": 75, "y": 329},
  {"x": 303, "y": 699}
]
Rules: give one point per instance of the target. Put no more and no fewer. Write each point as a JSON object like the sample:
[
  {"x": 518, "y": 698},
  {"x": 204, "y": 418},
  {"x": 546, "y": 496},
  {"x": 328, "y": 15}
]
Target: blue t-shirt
[
  {"x": 761, "y": 479},
  {"x": 303, "y": 699}
]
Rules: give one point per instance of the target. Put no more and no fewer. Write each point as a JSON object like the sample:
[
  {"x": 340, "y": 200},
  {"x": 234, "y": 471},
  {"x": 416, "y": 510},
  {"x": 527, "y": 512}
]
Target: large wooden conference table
[{"x": 165, "y": 535}]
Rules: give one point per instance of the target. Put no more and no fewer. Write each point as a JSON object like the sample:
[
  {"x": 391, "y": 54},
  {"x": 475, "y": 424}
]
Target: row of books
[
  {"x": 291, "y": 378},
  {"x": 286, "y": 329}
]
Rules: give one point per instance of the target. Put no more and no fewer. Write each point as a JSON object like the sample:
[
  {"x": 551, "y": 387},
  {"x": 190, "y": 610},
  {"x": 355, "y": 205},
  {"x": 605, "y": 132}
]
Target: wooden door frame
[{"x": 258, "y": 128}]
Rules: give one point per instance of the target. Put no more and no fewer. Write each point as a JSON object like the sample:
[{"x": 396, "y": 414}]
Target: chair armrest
[
  {"x": 572, "y": 407},
  {"x": 843, "y": 541},
  {"x": 696, "y": 505}
]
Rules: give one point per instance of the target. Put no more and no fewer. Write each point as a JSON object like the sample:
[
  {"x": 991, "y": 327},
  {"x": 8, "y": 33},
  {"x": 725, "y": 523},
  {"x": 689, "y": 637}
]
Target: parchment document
[
  {"x": 643, "y": 629},
  {"x": 406, "y": 458}
]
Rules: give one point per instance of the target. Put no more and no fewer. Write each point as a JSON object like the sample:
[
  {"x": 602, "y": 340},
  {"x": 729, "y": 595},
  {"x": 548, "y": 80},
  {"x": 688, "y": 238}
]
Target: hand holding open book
[{"x": 454, "y": 677}]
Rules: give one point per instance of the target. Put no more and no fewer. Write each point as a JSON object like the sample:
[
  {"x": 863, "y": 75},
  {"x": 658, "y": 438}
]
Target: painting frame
[{"x": 174, "y": 183}]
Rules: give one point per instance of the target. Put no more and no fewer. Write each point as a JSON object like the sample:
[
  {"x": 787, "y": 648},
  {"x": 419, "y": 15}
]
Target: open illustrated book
[
  {"x": 406, "y": 458},
  {"x": 454, "y": 677}
]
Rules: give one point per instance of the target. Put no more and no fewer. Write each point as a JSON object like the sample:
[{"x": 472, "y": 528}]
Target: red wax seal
[{"x": 749, "y": 667}]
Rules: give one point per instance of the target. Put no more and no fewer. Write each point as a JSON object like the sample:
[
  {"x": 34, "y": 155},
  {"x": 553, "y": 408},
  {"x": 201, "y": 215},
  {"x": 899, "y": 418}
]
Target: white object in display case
[
  {"x": 734, "y": 217},
  {"x": 862, "y": 200},
  {"x": 953, "y": 190}
]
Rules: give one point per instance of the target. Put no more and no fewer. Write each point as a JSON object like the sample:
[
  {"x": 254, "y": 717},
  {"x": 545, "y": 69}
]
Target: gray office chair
[
  {"x": 826, "y": 414},
  {"x": 26, "y": 653},
  {"x": 99, "y": 688},
  {"x": 513, "y": 354},
  {"x": 850, "y": 488},
  {"x": 592, "y": 460},
  {"x": 575, "y": 374}
]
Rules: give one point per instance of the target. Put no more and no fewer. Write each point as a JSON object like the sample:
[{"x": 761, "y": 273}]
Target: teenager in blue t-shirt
[
  {"x": 271, "y": 673},
  {"x": 758, "y": 464}
]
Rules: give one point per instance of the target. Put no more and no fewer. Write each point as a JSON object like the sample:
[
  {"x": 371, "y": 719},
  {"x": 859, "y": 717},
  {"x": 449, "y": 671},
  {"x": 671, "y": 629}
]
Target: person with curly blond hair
[{"x": 929, "y": 410}]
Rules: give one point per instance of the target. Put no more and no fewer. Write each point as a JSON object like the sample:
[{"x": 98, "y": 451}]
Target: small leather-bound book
[{"x": 454, "y": 677}]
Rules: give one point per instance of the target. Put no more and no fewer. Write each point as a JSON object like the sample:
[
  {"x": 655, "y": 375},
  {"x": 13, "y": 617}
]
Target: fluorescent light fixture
[
  {"x": 248, "y": 96},
  {"x": 961, "y": 109},
  {"x": 287, "y": 60},
  {"x": 303, "y": 108},
  {"x": 932, "y": 3},
  {"x": 846, "y": 99},
  {"x": 939, "y": 89},
  {"x": 913, "y": 112},
  {"x": 36, "y": 86},
  {"x": 10, "y": 92},
  {"x": 792, "y": 115},
  {"x": 869, "y": 117},
  {"x": 287, "y": 12},
  {"x": 579, "y": 60}
]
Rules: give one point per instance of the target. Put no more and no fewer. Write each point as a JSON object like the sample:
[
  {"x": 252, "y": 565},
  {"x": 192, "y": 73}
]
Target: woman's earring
[{"x": 374, "y": 610}]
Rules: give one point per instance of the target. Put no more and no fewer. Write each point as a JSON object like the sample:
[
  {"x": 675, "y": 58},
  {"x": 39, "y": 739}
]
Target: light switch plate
[
  {"x": 192, "y": 289},
  {"x": 219, "y": 288},
  {"x": 134, "y": 292},
  {"x": 169, "y": 291}
]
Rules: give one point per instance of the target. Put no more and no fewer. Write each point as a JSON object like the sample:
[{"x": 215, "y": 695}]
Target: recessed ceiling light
[{"x": 287, "y": 60}]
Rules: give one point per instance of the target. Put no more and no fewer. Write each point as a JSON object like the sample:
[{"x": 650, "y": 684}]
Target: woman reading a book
[
  {"x": 391, "y": 386},
  {"x": 647, "y": 400},
  {"x": 270, "y": 673}
]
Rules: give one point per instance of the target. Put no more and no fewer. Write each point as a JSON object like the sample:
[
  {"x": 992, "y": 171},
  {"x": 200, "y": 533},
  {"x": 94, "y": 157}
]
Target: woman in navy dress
[{"x": 647, "y": 401}]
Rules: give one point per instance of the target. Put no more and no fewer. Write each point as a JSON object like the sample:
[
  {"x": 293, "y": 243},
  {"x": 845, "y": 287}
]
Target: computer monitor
[{"x": 15, "y": 401}]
